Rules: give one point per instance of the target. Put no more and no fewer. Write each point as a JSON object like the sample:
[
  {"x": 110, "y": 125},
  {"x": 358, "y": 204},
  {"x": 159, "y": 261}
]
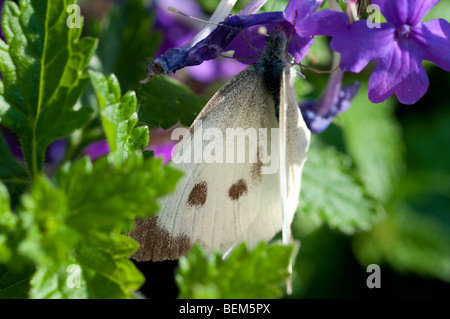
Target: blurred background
[{"x": 401, "y": 153}]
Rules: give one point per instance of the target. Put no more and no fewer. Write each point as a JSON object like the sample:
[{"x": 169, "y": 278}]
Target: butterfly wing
[
  {"x": 294, "y": 143},
  {"x": 220, "y": 204}
]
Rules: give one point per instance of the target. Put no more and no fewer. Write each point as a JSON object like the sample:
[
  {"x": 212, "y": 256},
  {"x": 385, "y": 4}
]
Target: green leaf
[
  {"x": 164, "y": 102},
  {"x": 127, "y": 42},
  {"x": 48, "y": 284},
  {"x": 118, "y": 271},
  {"x": 80, "y": 222},
  {"x": 243, "y": 274},
  {"x": 8, "y": 222},
  {"x": 15, "y": 283},
  {"x": 118, "y": 118},
  {"x": 116, "y": 245},
  {"x": 409, "y": 241},
  {"x": 43, "y": 217},
  {"x": 374, "y": 141},
  {"x": 6, "y": 217},
  {"x": 101, "y": 287},
  {"x": 12, "y": 173},
  {"x": 331, "y": 193},
  {"x": 103, "y": 197},
  {"x": 42, "y": 68}
]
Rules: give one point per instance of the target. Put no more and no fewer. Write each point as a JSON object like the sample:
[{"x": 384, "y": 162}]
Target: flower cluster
[
  {"x": 398, "y": 47},
  {"x": 300, "y": 21}
]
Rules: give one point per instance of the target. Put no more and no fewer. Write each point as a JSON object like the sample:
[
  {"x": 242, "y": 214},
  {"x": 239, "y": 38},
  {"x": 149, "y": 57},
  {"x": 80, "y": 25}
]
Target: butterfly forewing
[
  {"x": 220, "y": 204},
  {"x": 225, "y": 198}
]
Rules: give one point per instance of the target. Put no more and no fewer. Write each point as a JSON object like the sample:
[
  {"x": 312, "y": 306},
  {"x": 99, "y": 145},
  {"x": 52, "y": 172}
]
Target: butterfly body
[{"x": 228, "y": 200}]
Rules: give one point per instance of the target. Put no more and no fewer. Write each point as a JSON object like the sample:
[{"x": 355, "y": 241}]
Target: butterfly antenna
[
  {"x": 262, "y": 29},
  {"x": 302, "y": 66},
  {"x": 171, "y": 9},
  {"x": 174, "y": 10},
  {"x": 239, "y": 59}
]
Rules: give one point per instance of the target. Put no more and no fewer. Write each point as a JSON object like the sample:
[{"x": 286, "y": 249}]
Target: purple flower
[
  {"x": 97, "y": 149},
  {"x": 319, "y": 114},
  {"x": 299, "y": 22},
  {"x": 163, "y": 151},
  {"x": 160, "y": 143},
  {"x": 178, "y": 30},
  {"x": 12, "y": 140},
  {"x": 398, "y": 48},
  {"x": 1, "y": 31},
  {"x": 299, "y": 19},
  {"x": 54, "y": 153}
]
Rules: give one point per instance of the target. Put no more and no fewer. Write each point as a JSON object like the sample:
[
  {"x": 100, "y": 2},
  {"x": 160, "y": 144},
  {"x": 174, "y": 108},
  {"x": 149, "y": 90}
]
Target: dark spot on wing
[
  {"x": 238, "y": 189},
  {"x": 157, "y": 243},
  {"x": 198, "y": 194}
]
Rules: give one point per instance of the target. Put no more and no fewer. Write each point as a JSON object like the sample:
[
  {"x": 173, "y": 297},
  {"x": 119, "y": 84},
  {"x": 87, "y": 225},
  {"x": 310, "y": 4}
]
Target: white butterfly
[{"x": 221, "y": 204}]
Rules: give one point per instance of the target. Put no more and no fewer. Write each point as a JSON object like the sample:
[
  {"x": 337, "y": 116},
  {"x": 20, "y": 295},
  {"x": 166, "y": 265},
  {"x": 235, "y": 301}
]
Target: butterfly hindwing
[{"x": 297, "y": 139}]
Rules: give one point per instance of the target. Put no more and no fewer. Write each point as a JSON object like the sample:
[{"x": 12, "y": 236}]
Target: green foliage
[
  {"x": 77, "y": 220},
  {"x": 125, "y": 43},
  {"x": 122, "y": 191},
  {"x": 243, "y": 274},
  {"x": 409, "y": 241},
  {"x": 332, "y": 193},
  {"x": 15, "y": 281},
  {"x": 118, "y": 118},
  {"x": 80, "y": 222},
  {"x": 374, "y": 141},
  {"x": 42, "y": 67},
  {"x": 164, "y": 102},
  {"x": 7, "y": 222},
  {"x": 415, "y": 238},
  {"x": 13, "y": 174}
]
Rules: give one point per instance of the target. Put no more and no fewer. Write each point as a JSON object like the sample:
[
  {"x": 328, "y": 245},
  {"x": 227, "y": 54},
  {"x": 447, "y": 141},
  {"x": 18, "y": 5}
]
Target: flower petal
[
  {"x": 212, "y": 70},
  {"x": 300, "y": 9},
  {"x": 210, "y": 47},
  {"x": 401, "y": 73},
  {"x": 400, "y": 12},
  {"x": 97, "y": 149},
  {"x": 319, "y": 114},
  {"x": 245, "y": 47},
  {"x": 359, "y": 44},
  {"x": 299, "y": 46},
  {"x": 325, "y": 22},
  {"x": 433, "y": 42}
]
